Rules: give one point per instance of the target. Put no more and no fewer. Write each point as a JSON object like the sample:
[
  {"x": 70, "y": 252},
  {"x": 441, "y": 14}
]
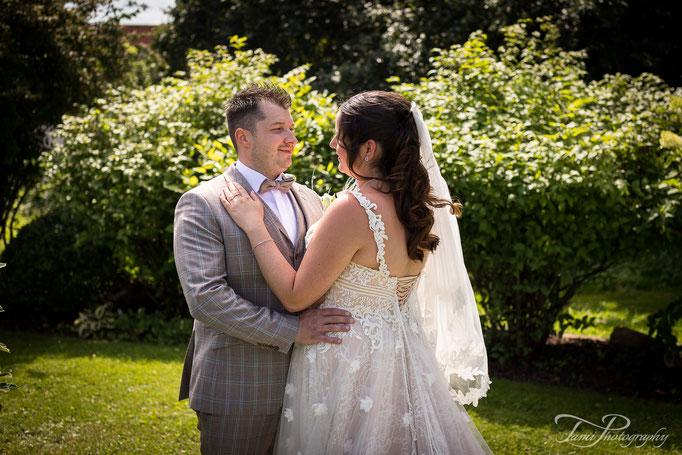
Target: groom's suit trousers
[{"x": 224, "y": 434}]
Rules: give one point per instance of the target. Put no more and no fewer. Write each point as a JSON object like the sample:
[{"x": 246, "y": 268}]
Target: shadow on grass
[{"x": 26, "y": 346}]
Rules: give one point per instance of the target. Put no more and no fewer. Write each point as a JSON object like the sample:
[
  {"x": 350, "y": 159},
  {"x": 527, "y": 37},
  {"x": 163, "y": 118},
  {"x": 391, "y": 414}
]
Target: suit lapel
[
  {"x": 302, "y": 202},
  {"x": 270, "y": 217}
]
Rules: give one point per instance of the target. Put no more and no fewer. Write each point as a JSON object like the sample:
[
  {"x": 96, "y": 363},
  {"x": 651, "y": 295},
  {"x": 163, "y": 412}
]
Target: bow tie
[{"x": 282, "y": 185}]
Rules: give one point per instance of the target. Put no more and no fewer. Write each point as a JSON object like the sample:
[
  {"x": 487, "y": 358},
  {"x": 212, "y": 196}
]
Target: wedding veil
[{"x": 445, "y": 296}]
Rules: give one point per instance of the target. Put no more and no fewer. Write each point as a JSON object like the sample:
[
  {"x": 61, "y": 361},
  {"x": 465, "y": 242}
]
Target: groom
[{"x": 238, "y": 356}]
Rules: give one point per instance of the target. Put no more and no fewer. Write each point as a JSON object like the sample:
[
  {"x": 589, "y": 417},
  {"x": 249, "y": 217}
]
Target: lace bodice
[
  {"x": 361, "y": 290},
  {"x": 373, "y": 294}
]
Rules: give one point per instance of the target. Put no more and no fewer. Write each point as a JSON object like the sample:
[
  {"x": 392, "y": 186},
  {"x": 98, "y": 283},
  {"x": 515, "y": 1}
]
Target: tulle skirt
[{"x": 379, "y": 392}]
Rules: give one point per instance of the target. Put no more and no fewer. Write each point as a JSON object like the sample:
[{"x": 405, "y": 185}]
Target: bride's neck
[{"x": 370, "y": 182}]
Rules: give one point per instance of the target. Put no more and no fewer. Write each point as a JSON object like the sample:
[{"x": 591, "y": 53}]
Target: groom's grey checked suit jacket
[{"x": 238, "y": 355}]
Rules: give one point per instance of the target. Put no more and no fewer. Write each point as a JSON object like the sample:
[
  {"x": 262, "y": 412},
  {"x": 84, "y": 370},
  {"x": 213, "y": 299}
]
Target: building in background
[{"x": 139, "y": 35}]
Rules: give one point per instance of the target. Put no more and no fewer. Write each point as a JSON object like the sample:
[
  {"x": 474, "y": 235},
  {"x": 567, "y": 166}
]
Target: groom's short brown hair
[{"x": 242, "y": 110}]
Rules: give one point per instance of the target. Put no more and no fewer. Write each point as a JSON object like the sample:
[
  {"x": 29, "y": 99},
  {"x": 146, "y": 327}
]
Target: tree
[
  {"x": 560, "y": 178},
  {"x": 51, "y": 56},
  {"x": 355, "y": 46},
  {"x": 338, "y": 38}
]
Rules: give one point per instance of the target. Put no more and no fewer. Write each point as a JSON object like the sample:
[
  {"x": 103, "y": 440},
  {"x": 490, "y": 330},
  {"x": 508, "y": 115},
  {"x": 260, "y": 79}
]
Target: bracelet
[{"x": 260, "y": 243}]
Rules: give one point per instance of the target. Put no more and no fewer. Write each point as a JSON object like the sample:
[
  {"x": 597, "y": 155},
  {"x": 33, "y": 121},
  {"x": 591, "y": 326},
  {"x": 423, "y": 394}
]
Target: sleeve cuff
[{"x": 287, "y": 334}]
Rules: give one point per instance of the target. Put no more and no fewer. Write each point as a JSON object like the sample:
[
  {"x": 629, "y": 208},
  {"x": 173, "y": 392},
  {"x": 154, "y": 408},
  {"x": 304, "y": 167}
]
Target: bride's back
[
  {"x": 397, "y": 259},
  {"x": 377, "y": 142}
]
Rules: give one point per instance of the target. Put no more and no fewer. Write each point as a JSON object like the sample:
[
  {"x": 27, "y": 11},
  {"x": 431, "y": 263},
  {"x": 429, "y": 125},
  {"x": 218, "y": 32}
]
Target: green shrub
[
  {"x": 661, "y": 326},
  {"x": 124, "y": 162},
  {"x": 560, "y": 178},
  {"x": 91, "y": 322},
  {"x": 151, "y": 327},
  {"x": 4, "y": 385},
  {"x": 661, "y": 264},
  {"x": 53, "y": 275},
  {"x": 659, "y": 268},
  {"x": 145, "y": 66},
  {"x": 130, "y": 325}
]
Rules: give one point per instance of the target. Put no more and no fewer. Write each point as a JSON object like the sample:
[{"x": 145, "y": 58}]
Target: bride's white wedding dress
[{"x": 380, "y": 391}]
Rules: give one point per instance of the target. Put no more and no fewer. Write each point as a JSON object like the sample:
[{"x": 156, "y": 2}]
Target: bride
[{"x": 388, "y": 251}]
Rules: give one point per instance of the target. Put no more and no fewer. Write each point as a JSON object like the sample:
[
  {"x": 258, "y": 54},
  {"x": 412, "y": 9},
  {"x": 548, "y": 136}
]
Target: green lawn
[
  {"x": 629, "y": 308},
  {"x": 90, "y": 397},
  {"x": 82, "y": 397}
]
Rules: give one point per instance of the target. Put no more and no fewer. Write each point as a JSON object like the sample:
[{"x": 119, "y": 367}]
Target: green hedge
[
  {"x": 50, "y": 277},
  {"x": 124, "y": 161},
  {"x": 560, "y": 178}
]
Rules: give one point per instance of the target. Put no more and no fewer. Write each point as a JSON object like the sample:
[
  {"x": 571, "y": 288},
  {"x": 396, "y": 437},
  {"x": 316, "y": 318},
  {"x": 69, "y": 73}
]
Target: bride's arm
[{"x": 337, "y": 238}]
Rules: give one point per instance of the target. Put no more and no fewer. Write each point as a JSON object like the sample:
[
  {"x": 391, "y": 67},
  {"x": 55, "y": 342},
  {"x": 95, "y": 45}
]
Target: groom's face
[{"x": 273, "y": 141}]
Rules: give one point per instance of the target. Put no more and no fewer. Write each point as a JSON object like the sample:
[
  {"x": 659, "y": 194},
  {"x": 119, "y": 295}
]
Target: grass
[
  {"x": 94, "y": 397},
  {"x": 518, "y": 418},
  {"x": 629, "y": 308},
  {"x": 82, "y": 397}
]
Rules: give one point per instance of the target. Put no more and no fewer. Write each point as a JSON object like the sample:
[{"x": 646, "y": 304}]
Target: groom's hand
[{"x": 314, "y": 323}]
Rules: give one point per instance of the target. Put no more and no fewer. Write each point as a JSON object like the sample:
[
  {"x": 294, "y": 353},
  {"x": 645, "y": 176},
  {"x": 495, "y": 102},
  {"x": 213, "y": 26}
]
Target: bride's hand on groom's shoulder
[{"x": 246, "y": 210}]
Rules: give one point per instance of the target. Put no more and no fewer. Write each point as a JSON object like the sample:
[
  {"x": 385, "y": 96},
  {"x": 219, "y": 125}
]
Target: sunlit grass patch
[
  {"x": 628, "y": 308},
  {"x": 94, "y": 397}
]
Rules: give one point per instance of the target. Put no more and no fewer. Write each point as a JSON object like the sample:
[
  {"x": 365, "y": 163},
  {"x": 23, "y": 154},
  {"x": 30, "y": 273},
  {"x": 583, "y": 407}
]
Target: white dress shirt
[{"x": 277, "y": 200}]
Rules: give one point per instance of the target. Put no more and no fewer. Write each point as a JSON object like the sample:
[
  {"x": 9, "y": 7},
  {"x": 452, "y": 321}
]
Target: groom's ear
[{"x": 243, "y": 138}]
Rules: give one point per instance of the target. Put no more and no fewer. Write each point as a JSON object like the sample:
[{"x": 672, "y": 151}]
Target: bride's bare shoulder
[
  {"x": 345, "y": 204},
  {"x": 344, "y": 212}
]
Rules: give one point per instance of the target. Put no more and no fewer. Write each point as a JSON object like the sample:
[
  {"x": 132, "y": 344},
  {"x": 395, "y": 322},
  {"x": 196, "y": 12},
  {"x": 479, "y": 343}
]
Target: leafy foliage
[
  {"x": 560, "y": 178},
  {"x": 354, "y": 46},
  {"x": 135, "y": 325},
  {"x": 341, "y": 39},
  {"x": 124, "y": 161},
  {"x": 661, "y": 326},
  {"x": 53, "y": 276},
  {"x": 569, "y": 321},
  {"x": 51, "y": 56},
  {"x": 4, "y": 385},
  {"x": 145, "y": 66},
  {"x": 91, "y": 322}
]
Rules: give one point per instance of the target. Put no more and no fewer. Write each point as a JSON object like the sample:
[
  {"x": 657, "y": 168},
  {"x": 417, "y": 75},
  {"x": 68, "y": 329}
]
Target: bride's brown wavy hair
[{"x": 386, "y": 118}]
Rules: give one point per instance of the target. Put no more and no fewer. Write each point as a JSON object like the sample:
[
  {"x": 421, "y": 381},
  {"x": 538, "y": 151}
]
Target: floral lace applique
[
  {"x": 366, "y": 404},
  {"x": 289, "y": 390},
  {"x": 310, "y": 354},
  {"x": 289, "y": 414},
  {"x": 361, "y": 275},
  {"x": 369, "y": 294},
  {"x": 319, "y": 409}
]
